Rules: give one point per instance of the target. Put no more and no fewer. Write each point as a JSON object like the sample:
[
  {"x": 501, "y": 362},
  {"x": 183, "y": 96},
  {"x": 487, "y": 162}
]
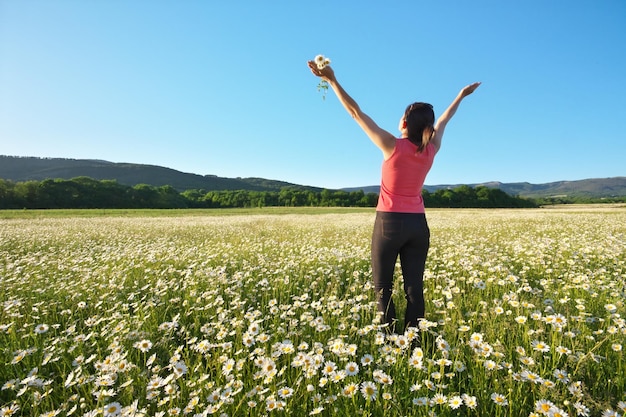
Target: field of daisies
[{"x": 199, "y": 314}]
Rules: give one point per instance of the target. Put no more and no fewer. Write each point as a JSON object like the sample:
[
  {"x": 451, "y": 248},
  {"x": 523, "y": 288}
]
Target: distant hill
[
  {"x": 30, "y": 168},
  {"x": 591, "y": 188}
]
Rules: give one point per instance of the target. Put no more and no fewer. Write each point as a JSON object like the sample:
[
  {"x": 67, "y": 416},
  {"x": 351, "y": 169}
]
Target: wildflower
[
  {"x": 459, "y": 366},
  {"x": 455, "y": 402},
  {"x": 349, "y": 390},
  {"x": 548, "y": 384},
  {"x": 268, "y": 367},
  {"x": 499, "y": 399},
  {"x": 316, "y": 410},
  {"x": 271, "y": 404},
  {"x": 228, "y": 366},
  {"x": 285, "y": 392},
  {"x": 610, "y": 308},
  {"x": 575, "y": 389},
  {"x": 10, "y": 384},
  {"x": 179, "y": 368},
  {"x": 367, "y": 359},
  {"x": 442, "y": 344},
  {"x": 561, "y": 375},
  {"x": 319, "y": 61},
  {"x": 382, "y": 378},
  {"x": 143, "y": 345},
  {"x": 531, "y": 376},
  {"x": 439, "y": 399},
  {"x": 540, "y": 346},
  {"x": 543, "y": 406},
  {"x": 329, "y": 368},
  {"x": 420, "y": 401},
  {"x": 402, "y": 342},
  {"x": 214, "y": 396},
  {"x": 386, "y": 396},
  {"x": 617, "y": 347},
  {"x": 581, "y": 409},
  {"x": 352, "y": 368},
  {"x": 19, "y": 355},
  {"x": 112, "y": 409},
  {"x": 610, "y": 413},
  {"x": 490, "y": 365},
  {"x": 52, "y": 413},
  {"x": 562, "y": 350},
  {"x": 557, "y": 412},
  {"x": 469, "y": 401},
  {"x": 9, "y": 410},
  {"x": 41, "y": 328},
  {"x": 369, "y": 390}
]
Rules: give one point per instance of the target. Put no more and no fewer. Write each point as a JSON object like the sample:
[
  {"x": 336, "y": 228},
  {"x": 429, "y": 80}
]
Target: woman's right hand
[{"x": 469, "y": 89}]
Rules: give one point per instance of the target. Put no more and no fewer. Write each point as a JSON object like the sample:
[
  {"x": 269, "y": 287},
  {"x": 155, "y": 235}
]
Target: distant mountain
[
  {"x": 591, "y": 188},
  {"x": 30, "y": 168}
]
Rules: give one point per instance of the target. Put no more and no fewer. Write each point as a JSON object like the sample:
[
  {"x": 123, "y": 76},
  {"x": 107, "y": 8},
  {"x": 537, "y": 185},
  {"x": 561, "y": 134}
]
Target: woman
[{"x": 400, "y": 228}]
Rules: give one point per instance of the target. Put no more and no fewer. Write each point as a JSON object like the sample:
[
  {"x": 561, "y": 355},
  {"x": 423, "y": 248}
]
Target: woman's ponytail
[{"x": 420, "y": 120}]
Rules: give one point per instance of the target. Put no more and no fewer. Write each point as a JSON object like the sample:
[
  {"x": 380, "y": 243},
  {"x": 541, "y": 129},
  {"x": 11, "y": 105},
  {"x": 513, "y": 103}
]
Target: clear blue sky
[{"x": 222, "y": 87}]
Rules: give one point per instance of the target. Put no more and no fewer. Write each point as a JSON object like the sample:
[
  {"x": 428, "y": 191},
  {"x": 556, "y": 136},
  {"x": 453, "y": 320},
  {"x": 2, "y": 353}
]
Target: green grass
[
  {"x": 64, "y": 213},
  {"x": 261, "y": 311}
]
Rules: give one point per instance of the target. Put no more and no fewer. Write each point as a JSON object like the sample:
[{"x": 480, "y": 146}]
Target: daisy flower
[
  {"x": 285, "y": 392},
  {"x": 455, "y": 402},
  {"x": 112, "y": 409},
  {"x": 9, "y": 410},
  {"x": 499, "y": 399},
  {"x": 369, "y": 390},
  {"x": 329, "y": 368},
  {"x": 540, "y": 346},
  {"x": 420, "y": 401},
  {"x": 581, "y": 409},
  {"x": 439, "y": 399},
  {"x": 352, "y": 368},
  {"x": 367, "y": 359},
  {"x": 143, "y": 345},
  {"x": 543, "y": 406},
  {"x": 41, "y": 328},
  {"x": 319, "y": 61},
  {"x": 470, "y": 401}
]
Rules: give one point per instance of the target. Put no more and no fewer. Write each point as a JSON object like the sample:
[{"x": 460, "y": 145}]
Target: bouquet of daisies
[{"x": 321, "y": 61}]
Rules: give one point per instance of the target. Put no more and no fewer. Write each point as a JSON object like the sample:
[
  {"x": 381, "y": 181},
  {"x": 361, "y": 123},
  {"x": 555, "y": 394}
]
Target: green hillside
[{"x": 31, "y": 168}]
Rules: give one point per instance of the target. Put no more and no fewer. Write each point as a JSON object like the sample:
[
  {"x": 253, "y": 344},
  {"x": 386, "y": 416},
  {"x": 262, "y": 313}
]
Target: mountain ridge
[
  {"x": 591, "y": 188},
  {"x": 20, "y": 168}
]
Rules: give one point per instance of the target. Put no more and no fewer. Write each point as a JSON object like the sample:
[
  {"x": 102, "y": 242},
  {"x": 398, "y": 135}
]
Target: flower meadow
[{"x": 268, "y": 314}]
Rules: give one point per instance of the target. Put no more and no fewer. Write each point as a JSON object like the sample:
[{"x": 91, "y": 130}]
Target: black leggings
[{"x": 407, "y": 235}]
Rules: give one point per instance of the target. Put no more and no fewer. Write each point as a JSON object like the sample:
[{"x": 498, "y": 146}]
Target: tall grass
[{"x": 269, "y": 313}]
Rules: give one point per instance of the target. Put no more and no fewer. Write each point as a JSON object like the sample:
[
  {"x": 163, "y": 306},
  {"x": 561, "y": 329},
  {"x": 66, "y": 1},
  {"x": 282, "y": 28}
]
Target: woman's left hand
[{"x": 325, "y": 73}]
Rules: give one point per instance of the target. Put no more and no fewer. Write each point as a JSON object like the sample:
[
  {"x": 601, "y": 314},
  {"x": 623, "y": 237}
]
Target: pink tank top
[{"x": 403, "y": 176}]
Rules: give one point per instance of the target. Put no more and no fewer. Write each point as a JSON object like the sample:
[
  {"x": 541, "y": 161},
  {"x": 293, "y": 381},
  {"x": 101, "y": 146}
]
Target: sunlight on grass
[{"x": 271, "y": 313}]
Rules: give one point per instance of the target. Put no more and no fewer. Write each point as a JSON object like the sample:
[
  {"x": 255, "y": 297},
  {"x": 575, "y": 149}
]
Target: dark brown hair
[{"x": 420, "y": 120}]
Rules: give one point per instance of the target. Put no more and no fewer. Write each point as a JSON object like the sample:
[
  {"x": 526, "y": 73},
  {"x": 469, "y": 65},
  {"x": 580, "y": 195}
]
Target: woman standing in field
[{"x": 400, "y": 228}]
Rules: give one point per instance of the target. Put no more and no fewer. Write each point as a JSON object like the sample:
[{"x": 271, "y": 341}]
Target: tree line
[{"x": 86, "y": 193}]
